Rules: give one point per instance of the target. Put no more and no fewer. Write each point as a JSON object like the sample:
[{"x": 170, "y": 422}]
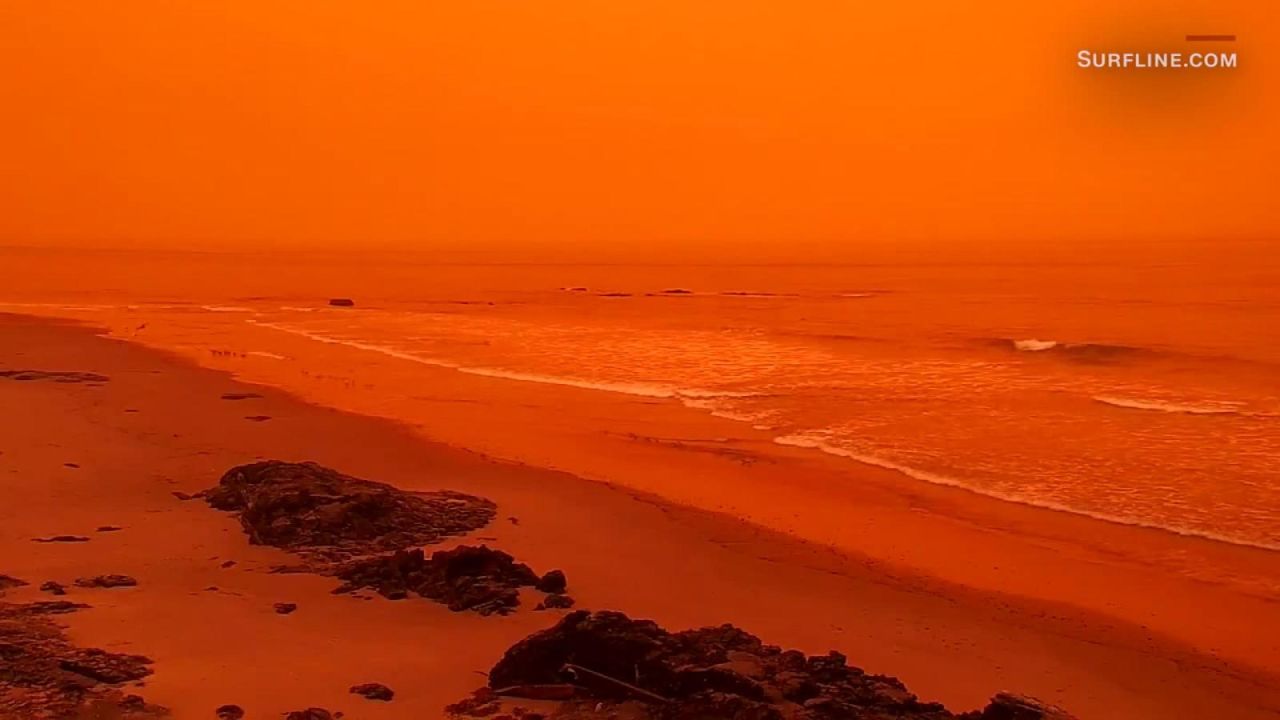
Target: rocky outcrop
[
  {"x": 312, "y": 510},
  {"x": 714, "y": 673},
  {"x": 480, "y": 579},
  {"x": 43, "y": 675},
  {"x": 342, "y": 302}
]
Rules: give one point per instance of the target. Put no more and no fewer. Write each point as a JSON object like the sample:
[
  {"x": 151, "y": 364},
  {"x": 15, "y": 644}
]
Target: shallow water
[{"x": 1136, "y": 392}]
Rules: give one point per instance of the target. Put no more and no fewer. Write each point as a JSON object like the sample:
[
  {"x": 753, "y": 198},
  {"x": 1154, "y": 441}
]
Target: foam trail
[
  {"x": 1160, "y": 406},
  {"x": 803, "y": 441},
  {"x": 382, "y": 349},
  {"x": 1034, "y": 345},
  {"x": 226, "y": 308}
]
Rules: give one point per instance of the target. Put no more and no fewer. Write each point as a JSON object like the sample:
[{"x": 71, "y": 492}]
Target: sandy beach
[{"x": 77, "y": 456}]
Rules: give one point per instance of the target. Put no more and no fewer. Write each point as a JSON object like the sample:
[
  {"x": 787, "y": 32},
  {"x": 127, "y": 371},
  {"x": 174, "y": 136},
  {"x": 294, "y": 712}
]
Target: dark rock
[
  {"x": 555, "y": 602},
  {"x": 109, "y": 528},
  {"x": 8, "y": 582},
  {"x": 712, "y": 673},
  {"x": 310, "y": 714},
  {"x": 374, "y": 691},
  {"x": 464, "y": 578},
  {"x": 482, "y": 703},
  {"x": 184, "y": 496},
  {"x": 62, "y": 539},
  {"x": 229, "y": 712},
  {"x": 43, "y": 675},
  {"x": 307, "y": 507},
  {"x": 53, "y": 588},
  {"x": 553, "y": 582},
  {"x": 106, "y": 667},
  {"x": 285, "y": 608},
  {"x": 55, "y": 376},
  {"x": 53, "y": 607},
  {"x": 240, "y": 396},
  {"x": 1007, "y": 706},
  {"x": 228, "y": 564},
  {"x": 257, "y": 418},
  {"x": 342, "y": 302},
  {"x": 106, "y": 581},
  {"x": 73, "y": 466}
]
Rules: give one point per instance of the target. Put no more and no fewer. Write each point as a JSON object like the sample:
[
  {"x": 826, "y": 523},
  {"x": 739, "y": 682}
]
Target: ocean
[{"x": 1144, "y": 393}]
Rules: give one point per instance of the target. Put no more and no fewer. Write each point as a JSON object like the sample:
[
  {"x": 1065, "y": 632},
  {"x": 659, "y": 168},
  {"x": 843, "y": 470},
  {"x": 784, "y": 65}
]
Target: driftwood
[
  {"x": 634, "y": 690},
  {"x": 539, "y": 692}
]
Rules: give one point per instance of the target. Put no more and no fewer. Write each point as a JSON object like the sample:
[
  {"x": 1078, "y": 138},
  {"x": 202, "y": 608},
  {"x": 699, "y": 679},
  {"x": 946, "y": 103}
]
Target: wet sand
[{"x": 160, "y": 425}]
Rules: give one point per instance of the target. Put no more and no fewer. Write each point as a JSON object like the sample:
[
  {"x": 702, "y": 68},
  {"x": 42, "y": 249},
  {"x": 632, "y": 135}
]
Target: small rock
[
  {"x": 73, "y": 466},
  {"x": 285, "y": 608},
  {"x": 109, "y": 528},
  {"x": 1007, "y": 706},
  {"x": 342, "y": 302},
  {"x": 555, "y": 602},
  {"x": 553, "y": 582},
  {"x": 54, "y": 588},
  {"x": 257, "y": 418},
  {"x": 183, "y": 496},
  {"x": 62, "y": 539},
  {"x": 240, "y": 396},
  {"x": 229, "y": 563},
  {"x": 374, "y": 691},
  {"x": 106, "y": 581},
  {"x": 229, "y": 712},
  {"x": 8, "y": 582},
  {"x": 310, "y": 714}
]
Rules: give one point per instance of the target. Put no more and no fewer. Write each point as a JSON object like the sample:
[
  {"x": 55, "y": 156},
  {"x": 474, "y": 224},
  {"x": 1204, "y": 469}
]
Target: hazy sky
[{"x": 620, "y": 127}]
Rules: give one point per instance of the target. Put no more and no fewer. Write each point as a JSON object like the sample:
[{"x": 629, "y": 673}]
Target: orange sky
[{"x": 616, "y": 127}]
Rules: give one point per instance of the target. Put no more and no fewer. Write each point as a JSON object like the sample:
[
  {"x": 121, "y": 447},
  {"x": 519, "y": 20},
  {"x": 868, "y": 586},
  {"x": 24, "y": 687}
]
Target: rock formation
[{"x": 606, "y": 659}]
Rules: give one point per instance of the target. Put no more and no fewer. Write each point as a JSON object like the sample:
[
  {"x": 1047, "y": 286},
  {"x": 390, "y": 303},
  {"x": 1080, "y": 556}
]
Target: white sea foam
[
  {"x": 1034, "y": 345},
  {"x": 226, "y": 308},
  {"x": 382, "y": 349},
  {"x": 1216, "y": 408},
  {"x": 260, "y": 353},
  {"x": 816, "y": 443}
]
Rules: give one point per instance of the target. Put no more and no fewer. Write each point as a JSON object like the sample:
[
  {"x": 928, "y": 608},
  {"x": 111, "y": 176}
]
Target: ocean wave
[
  {"x": 636, "y": 389},
  {"x": 820, "y": 444},
  {"x": 1081, "y": 352},
  {"x": 369, "y": 347},
  {"x": 226, "y": 308},
  {"x": 1203, "y": 408}
]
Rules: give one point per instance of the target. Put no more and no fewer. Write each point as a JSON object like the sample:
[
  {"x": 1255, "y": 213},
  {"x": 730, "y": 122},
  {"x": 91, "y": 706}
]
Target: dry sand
[{"x": 159, "y": 425}]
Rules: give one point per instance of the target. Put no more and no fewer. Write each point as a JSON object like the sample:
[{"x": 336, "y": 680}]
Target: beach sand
[{"x": 958, "y": 596}]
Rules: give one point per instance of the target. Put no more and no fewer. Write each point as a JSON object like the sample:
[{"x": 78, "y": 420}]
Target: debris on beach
[
  {"x": 285, "y": 608},
  {"x": 61, "y": 539},
  {"x": 342, "y": 302},
  {"x": 606, "y": 661}
]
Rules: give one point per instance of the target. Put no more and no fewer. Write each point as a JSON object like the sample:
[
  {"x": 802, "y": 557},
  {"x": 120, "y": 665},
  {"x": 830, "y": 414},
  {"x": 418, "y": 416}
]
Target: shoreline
[{"x": 948, "y": 640}]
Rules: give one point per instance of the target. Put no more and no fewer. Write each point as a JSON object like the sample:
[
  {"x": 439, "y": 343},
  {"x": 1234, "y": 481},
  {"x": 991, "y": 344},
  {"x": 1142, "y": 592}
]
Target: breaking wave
[
  {"x": 1204, "y": 408},
  {"x": 816, "y": 443}
]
